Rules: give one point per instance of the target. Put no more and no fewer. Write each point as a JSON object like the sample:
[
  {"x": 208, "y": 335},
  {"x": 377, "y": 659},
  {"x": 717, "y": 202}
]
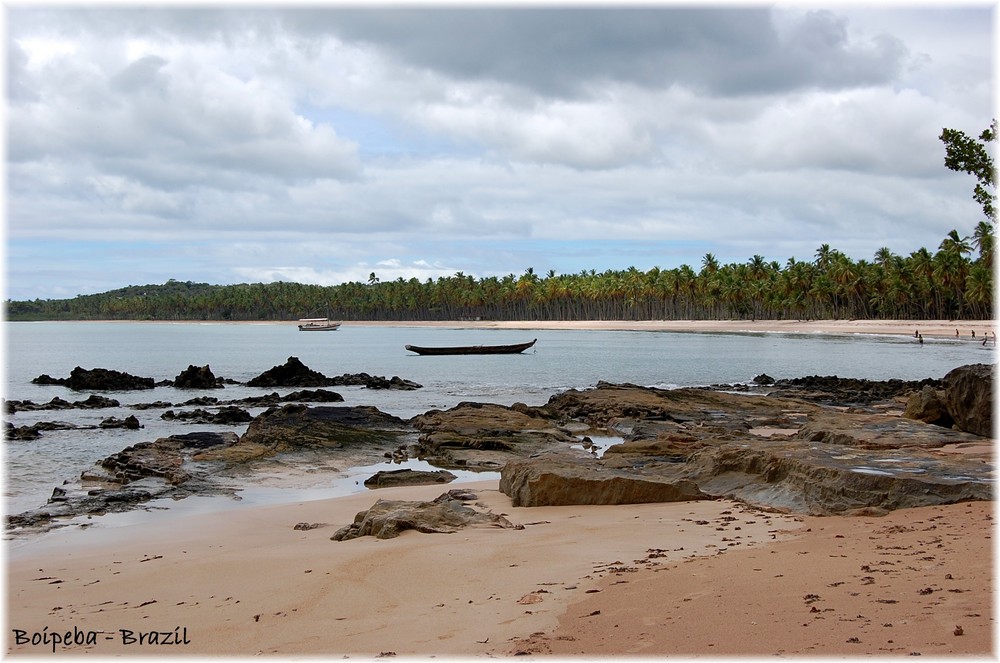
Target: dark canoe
[{"x": 473, "y": 349}]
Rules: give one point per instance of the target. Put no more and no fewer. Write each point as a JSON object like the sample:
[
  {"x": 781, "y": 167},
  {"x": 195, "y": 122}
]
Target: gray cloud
[{"x": 562, "y": 52}]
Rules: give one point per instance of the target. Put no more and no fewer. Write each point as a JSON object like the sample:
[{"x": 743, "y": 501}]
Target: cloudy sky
[{"x": 319, "y": 145}]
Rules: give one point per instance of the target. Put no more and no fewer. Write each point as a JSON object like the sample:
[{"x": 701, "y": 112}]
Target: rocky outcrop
[
  {"x": 928, "y": 405},
  {"x": 92, "y": 402},
  {"x": 775, "y": 452},
  {"x": 293, "y": 373},
  {"x": 364, "y": 430},
  {"x": 805, "y": 448},
  {"x": 98, "y": 379},
  {"x": 968, "y": 393},
  {"x": 447, "y": 514},
  {"x": 34, "y": 431},
  {"x": 197, "y": 377},
  {"x": 483, "y": 436},
  {"x": 833, "y": 390},
  {"x": 407, "y": 477},
  {"x": 128, "y": 479},
  {"x": 375, "y": 382},
  {"x": 129, "y": 423},
  {"x": 555, "y": 480},
  {"x": 224, "y": 416},
  {"x": 163, "y": 458}
]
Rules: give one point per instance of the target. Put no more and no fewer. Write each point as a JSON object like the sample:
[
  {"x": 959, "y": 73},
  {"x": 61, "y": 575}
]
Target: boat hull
[
  {"x": 318, "y": 324},
  {"x": 473, "y": 349}
]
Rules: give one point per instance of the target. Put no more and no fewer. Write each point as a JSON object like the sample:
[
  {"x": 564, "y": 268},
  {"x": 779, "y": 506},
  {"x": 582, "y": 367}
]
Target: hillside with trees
[{"x": 954, "y": 282}]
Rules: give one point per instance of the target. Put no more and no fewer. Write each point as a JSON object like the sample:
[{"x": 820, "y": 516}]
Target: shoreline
[
  {"x": 636, "y": 579},
  {"x": 928, "y": 328}
]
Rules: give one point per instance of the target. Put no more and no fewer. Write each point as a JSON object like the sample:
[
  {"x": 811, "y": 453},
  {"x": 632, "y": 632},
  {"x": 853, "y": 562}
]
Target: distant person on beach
[{"x": 973, "y": 333}]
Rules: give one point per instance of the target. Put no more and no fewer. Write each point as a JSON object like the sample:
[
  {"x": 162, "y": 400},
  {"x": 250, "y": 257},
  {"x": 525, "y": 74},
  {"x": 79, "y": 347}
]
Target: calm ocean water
[{"x": 561, "y": 360}]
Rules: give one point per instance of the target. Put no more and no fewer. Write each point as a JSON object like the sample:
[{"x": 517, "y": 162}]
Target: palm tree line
[{"x": 947, "y": 284}]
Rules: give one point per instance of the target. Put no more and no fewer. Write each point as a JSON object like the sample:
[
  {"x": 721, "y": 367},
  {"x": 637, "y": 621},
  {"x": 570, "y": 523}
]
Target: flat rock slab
[
  {"x": 484, "y": 436},
  {"x": 554, "y": 480},
  {"x": 407, "y": 477},
  {"x": 298, "y": 427}
]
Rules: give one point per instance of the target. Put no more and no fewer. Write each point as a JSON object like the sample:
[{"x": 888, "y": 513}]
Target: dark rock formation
[
  {"x": 407, "y": 477},
  {"x": 34, "y": 431},
  {"x": 833, "y": 390},
  {"x": 386, "y": 519},
  {"x": 197, "y": 377},
  {"x": 968, "y": 392},
  {"x": 225, "y": 416},
  {"x": 482, "y": 436},
  {"x": 98, "y": 379},
  {"x": 129, "y": 423},
  {"x": 302, "y": 396},
  {"x": 92, "y": 402},
  {"x": 163, "y": 458},
  {"x": 294, "y": 427},
  {"x": 293, "y": 373},
  {"x": 128, "y": 479},
  {"x": 375, "y": 382}
]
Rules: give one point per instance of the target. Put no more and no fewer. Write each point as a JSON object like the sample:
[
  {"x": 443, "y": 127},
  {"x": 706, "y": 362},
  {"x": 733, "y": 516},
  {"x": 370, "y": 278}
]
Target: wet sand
[{"x": 708, "y": 578}]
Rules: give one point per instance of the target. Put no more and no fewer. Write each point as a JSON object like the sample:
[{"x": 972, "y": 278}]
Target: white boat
[{"x": 317, "y": 324}]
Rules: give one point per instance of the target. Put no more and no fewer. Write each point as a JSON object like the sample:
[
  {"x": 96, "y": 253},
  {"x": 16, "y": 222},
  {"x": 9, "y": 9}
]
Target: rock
[
  {"x": 226, "y": 416},
  {"x": 774, "y": 452},
  {"x": 556, "y": 481},
  {"x": 163, "y": 458},
  {"x": 100, "y": 379},
  {"x": 375, "y": 382},
  {"x": 34, "y": 431},
  {"x": 365, "y": 431},
  {"x": 928, "y": 405},
  {"x": 968, "y": 392},
  {"x": 407, "y": 477},
  {"x": 763, "y": 379},
  {"x": 833, "y": 390},
  {"x": 831, "y": 479},
  {"x": 305, "y": 527},
  {"x": 293, "y": 373},
  {"x": 197, "y": 377},
  {"x": 484, "y": 436},
  {"x": 386, "y": 519},
  {"x": 92, "y": 402},
  {"x": 129, "y": 423}
]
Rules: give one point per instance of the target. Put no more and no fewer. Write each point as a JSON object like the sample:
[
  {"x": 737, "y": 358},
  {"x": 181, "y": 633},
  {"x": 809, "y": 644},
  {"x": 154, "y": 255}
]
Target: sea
[{"x": 560, "y": 360}]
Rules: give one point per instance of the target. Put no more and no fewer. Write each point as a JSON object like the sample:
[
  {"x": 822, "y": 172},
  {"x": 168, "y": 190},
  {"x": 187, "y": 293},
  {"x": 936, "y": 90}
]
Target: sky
[{"x": 328, "y": 142}]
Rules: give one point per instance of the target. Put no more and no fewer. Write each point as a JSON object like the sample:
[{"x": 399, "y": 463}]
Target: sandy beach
[
  {"x": 708, "y": 578},
  {"x": 927, "y": 328},
  {"x": 698, "y": 578}
]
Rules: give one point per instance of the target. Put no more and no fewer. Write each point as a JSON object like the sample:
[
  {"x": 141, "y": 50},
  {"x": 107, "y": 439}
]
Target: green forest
[{"x": 953, "y": 282}]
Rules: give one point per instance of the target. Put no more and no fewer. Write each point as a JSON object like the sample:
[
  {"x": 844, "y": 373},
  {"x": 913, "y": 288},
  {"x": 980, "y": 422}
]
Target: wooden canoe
[{"x": 473, "y": 349}]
